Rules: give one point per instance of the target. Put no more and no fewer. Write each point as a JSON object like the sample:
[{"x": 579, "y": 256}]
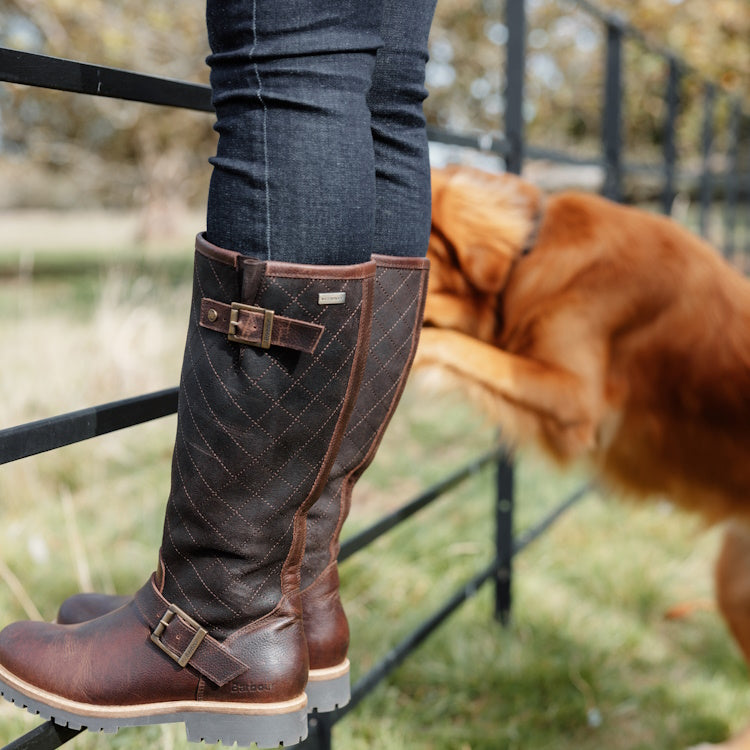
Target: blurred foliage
[
  {"x": 565, "y": 68},
  {"x": 62, "y": 150},
  {"x": 95, "y": 151}
]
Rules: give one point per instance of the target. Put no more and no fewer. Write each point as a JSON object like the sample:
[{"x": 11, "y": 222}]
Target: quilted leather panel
[
  {"x": 254, "y": 428},
  {"x": 397, "y": 314}
]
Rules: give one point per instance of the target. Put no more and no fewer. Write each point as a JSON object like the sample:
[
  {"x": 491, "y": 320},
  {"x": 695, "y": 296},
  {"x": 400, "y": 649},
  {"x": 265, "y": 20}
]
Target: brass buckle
[
  {"x": 192, "y": 647},
  {"x": 234, "y": 319}
]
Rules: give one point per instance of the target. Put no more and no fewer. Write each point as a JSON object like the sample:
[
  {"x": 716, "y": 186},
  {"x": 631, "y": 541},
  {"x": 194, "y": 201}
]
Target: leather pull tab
[{"x": 253, "y": 271}]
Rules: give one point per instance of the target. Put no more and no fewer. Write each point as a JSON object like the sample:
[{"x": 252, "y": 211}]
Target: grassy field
[{"x": 590, "y": 660}]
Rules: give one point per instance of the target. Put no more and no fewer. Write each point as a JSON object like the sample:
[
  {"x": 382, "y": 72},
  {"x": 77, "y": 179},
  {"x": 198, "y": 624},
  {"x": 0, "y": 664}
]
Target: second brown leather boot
[
  {"x": 400, "y": 289},
  {"x": 274, "y": 357}
]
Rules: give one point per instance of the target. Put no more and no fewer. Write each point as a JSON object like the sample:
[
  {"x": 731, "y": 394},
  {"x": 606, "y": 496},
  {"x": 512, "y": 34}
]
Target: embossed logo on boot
[
  {"x": 331, "y": 298},
  {"x": 259, "y": 687}
]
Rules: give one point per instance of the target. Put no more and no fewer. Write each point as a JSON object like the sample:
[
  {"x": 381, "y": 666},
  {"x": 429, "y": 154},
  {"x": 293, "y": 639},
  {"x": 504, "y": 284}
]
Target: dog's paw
[{"x": 433, "y": 348}]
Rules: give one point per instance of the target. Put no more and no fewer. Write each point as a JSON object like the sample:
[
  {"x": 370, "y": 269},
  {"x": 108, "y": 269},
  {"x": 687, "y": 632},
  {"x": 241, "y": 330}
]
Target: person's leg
[
  {"x": 294, "y": 174},
  {"x": 275, "y": 351},
  {"x": 402, "y": 227},
  {"x": 402, "y": 215}
]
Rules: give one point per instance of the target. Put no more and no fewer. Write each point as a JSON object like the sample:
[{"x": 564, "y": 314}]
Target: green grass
[{"x": 589, "y": 660}]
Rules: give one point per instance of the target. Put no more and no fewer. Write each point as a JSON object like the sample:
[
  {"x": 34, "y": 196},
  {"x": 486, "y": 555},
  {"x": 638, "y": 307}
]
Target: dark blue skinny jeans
[{"x": 322, "y": 153}]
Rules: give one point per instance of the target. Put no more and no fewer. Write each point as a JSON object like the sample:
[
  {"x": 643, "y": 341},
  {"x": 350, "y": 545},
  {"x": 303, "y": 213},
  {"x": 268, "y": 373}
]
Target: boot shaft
[
  {"x": 399, "y": 297},
  {"x": 273, "y": 360},
  {"x": 400, "y": 287}
]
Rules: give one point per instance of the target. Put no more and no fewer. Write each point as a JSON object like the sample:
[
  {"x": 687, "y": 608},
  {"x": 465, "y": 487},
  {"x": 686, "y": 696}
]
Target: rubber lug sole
[
  {"x": 267, "y": 725},
  {"x": 328, "y": 689}
]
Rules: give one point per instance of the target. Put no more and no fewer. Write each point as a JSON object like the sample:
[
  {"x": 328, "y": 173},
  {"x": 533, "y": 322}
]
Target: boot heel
[
  {"x": 270, "y": 731},
  {"x": 328, "y": 689}
]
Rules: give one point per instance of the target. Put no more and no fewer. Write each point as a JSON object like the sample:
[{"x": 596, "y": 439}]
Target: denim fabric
[
  {"x": 322, "y": 153},
  {"x": 403, "y": 199}
]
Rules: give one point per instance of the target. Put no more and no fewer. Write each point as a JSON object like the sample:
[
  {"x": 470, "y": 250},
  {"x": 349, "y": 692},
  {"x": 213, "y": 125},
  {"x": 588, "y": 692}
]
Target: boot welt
[
  {"x": 328, "y": 689},
  {"x": 266, "y": 724}
]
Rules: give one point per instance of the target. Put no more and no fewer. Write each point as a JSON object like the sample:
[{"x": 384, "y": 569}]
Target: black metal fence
[
  {"x": 29, "y": 439},
  {"x": 730, "y": 181}
]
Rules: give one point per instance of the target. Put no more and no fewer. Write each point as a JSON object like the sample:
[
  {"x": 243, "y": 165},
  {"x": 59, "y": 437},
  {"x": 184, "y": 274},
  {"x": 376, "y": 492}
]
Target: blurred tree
[
  {"x": 565, "y": 68},
  {"x": 63, "y": 150},
  {"x": 96, "y": 151}
]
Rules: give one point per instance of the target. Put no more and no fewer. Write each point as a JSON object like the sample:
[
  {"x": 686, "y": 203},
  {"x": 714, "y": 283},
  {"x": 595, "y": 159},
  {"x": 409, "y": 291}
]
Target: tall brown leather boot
[
  {"x": 400, "y": 288},
  {"x": 274, "y": 356}
]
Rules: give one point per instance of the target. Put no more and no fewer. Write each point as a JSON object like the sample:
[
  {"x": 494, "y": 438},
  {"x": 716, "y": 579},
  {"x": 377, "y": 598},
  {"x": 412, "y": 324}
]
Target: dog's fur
[{"x": 604, "y": 332}]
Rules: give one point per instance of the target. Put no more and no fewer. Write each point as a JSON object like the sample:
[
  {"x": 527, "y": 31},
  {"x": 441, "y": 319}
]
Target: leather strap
[
  {"x": 254, "y": 326},
  {"x": 252, "y": 273},
  {"x": 184, "y": 640}
]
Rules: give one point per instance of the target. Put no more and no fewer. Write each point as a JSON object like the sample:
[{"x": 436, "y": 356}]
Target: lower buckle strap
[
  {"x": 184, "y": 640},
  {"x": 200, "y": 633}
]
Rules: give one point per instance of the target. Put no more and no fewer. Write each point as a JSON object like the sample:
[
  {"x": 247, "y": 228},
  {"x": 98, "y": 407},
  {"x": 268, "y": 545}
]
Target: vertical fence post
[
  {"x": 504, "y": 537},
  {"x": 612, "y": 118},
  {"x": 731, "y": 180},
  {"x": 672, "y": 100},
  {"x": 515, "y": 20},
  {"x": 707, "y": 138},
  {"x": 746, "y": 190},
  {"x": 319, "y": 733}
]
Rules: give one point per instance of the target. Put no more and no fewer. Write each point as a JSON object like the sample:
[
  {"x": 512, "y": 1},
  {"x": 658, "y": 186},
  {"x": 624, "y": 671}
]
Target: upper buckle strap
[
  {"x": 234, "y": 323},
  {"x": 200, "y": 633},
  {"x": 257, "y": 326}
]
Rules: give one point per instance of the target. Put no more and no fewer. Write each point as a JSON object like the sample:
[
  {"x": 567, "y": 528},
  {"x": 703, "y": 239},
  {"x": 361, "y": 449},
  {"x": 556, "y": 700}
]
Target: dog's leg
[
  {"x": 733, "y": 584},
  {"x": 733, "y": 597},
  {"x": 556, "y": 397}
]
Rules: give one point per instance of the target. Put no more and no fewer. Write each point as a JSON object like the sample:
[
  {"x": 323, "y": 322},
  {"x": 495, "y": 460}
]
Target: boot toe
[
  {"x": 19, "y": 648},
  {"x": 107, "y": 662}
]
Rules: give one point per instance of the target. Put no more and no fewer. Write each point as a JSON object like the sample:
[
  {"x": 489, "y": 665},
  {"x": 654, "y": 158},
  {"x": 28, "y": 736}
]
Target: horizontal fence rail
[
  {"x": 74, "y": 427},
  {"x": 33, "y": 69},
  {"x": 44, "y": 737},
  {"x": 97, "y": 80},
  {"x": 369, "y": 535},
  {"x": 30, "y": 69},
  {"x": 320, "y": 725}
]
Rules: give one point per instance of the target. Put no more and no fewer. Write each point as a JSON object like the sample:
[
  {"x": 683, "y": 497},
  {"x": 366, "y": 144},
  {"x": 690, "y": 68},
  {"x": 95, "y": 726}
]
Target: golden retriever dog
[{"x": 604, "y": 332}]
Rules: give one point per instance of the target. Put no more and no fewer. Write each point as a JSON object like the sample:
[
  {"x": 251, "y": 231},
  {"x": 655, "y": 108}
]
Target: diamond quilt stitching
[{"x": 253, "y": 428}]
